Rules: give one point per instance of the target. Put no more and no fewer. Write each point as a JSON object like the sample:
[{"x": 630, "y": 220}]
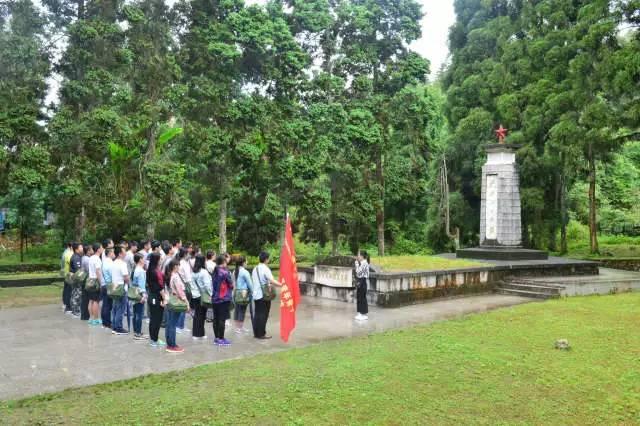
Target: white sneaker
[
  {"x": 364, "y": 317},
  {"x": 358, "y": 317}
]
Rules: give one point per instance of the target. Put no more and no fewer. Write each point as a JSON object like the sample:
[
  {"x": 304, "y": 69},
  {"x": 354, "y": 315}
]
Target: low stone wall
[
  {"x": 29, "y": 282},
  {"x": 16, "y": 268},
  {"x": 627, "y": 264},
  {"x": 407, "y": 288}
]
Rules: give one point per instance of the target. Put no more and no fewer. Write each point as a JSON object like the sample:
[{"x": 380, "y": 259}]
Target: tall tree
[
  {"x": 368, "y": 46},
  {"x": 24, "y": 159}
]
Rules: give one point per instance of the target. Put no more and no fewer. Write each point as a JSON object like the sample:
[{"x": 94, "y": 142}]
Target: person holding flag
[{"x": 290, "y": 294}]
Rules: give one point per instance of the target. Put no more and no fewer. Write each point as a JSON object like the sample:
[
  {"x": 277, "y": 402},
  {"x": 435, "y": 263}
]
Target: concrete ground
[{"x": 44, "y": 350}]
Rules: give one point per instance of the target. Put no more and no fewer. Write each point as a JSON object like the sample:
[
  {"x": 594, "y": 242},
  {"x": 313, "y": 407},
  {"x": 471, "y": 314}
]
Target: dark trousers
[
  {"x": 220, "y": 315},
  {"x": 66, "y": 296},
  {"x": 260, "y": 317},
  {"x": 199, "y": 315},
  {"x": 361, "y": 297},
  {"x": 155, "y": 316},
  {"x": 84, "y": 306},
  {"x": 138, "y": 313},
  {"x": 107, "y": 304}
]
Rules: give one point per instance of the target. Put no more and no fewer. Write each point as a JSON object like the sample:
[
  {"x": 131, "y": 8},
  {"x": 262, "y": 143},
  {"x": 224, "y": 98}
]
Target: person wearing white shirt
[
  {"x": 261, "y": 275},
  {"x": 95, "y": 273},
  {"x": 119, "y": 276}
]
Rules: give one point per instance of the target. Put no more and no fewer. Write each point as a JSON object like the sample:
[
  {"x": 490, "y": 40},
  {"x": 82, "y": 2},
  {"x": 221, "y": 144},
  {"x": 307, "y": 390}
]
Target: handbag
[
  {"x": 115, "y": 290},
  {"x": 187, "y": 288},
  {"x": 134, "y": 294},
  {"x": 206, "y": 296},
  {"x": 268, "y": 292},
  {"x": 175, "y": 304},
  {"x": 241, "y": 297},
  {"x": 92, "y": 285},
  {"x": 78, "y": 278}
]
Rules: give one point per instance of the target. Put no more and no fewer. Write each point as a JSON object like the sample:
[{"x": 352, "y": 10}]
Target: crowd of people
[{"x": 105, "y": 282}]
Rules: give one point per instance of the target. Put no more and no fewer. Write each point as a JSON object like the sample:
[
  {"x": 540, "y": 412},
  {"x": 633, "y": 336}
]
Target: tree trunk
[
  {"x": 380, "y": 204},
  {"x": 334, "y": 217},
  {"x": 222, "y": 226},
  {"x": 593, "y": 226},
  {"x": 22, "y": 241},
  {"x": 151, "y": 230},
  {"x": 80, "y": 223},
  {"x": 563, "y": 214}
]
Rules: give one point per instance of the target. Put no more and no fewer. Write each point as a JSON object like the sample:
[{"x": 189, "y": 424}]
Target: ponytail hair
[{"x": 240, "y": 260}]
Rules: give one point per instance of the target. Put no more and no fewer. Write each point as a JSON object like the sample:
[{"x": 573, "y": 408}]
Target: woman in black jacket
[{"x": 155, "y": 288}]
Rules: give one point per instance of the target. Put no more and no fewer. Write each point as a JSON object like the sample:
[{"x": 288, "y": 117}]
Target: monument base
[{"x": 501, "y": 253}]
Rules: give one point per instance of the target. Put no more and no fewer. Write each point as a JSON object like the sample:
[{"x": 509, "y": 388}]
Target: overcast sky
[{"x": 435, "y": 30}]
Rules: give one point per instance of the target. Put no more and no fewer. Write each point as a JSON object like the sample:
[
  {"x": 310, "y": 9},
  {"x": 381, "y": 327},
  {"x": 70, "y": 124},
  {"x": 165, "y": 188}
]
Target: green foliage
[
  {"x": 545, "y": 70},
  {"x": 176, "y": 120}
]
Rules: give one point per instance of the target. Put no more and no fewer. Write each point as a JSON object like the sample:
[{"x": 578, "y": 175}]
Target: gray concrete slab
[{"x": 44, "y": 350}]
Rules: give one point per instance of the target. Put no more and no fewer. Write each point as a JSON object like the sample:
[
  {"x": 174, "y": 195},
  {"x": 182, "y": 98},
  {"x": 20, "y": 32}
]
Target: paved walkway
[{"x": 45, "y": 351}]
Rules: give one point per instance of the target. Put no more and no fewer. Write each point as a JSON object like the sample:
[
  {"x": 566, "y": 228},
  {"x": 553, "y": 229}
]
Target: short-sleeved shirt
[
  {"x": 66, "y": 260},
  {"x": 85, "y": 264},
  {"x": 140, "y": 279},
  {"x": 119, "y": 271},
  {"x": 261, "y": 275},
  {"x": 128, "y": 258},
  {"x": 107, "y": 266},
  {"x": 76, "y": 263},
  {"x": 94, "y": 264}
]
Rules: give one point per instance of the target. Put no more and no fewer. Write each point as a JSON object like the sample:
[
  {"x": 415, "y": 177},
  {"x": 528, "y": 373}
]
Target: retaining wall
[{"x": 407, "y": 288}]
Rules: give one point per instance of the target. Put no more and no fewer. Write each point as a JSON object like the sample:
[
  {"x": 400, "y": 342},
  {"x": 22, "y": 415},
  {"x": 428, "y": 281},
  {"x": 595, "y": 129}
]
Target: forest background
[{"x": 208, "y": 120}]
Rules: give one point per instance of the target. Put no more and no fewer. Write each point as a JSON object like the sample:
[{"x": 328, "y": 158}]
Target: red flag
[{"x": 290, "y": 291}]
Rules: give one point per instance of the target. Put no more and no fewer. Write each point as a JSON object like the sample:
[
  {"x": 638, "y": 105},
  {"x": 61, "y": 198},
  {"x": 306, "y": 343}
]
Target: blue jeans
[
  {"x": 118, "y": 310},
  {"x": 170, "y": 328},
  {"x": 107, "y": 304},
  {"x": 138, "y": 313},
  {"x": 180, "y": 321}
]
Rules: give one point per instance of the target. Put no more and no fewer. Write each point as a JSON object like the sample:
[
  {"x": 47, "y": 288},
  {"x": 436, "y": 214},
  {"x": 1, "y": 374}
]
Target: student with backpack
[
  {"x": 84, "y": 298},
  {"x": 185, "y": 272},
  {"x": 107, "y": 302},
  {"x": 120, "y": 280},
  {"x": 94, "y": 284},
  {"x": 263, "y": 293},
  {"x": 65, "y": 263},
  {"x": 202, "y": 280},
  {"x": 222, "y": 295},
  {"x": 156, "y": 298},
  {"x": 241, "y": 294},
  {"x": 138, "y": 295},
  {"x": 75, "y": 267},
  {"x": 176, "y": 305}
]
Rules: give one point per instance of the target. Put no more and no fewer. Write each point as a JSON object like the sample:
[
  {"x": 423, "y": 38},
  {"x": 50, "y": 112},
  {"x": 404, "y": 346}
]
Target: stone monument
[{"x": 500, "y": 214}]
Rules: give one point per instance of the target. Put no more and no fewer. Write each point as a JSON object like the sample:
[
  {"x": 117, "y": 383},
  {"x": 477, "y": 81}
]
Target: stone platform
[
  {"x": 393, "y": 289},
  {"x": 608, "y": 281}
]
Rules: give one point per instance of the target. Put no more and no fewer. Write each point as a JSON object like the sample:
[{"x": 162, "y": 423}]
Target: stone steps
[{"x": 524, "y": 288}]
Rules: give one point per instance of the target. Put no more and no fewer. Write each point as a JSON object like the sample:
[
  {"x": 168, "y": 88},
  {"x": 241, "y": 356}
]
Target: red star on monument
[{"x": 501, "y": 133}]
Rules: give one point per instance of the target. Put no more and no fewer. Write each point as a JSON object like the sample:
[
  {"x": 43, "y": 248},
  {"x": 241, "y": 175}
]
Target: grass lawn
[
  {"x": 17, "y": 297},
  {"x": 498, "y": 367},
  {"x": 609, "y": 245},
  {"x": 421, "y": 263}
]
